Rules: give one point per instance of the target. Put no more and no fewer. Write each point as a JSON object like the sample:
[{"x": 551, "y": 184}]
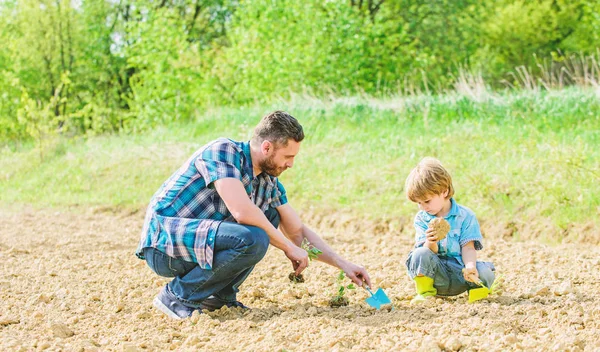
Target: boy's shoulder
[
  {"x": 464, "y": 211},
  {"x": 457, "y": 210},
  {"x": 423, "y": 216}
]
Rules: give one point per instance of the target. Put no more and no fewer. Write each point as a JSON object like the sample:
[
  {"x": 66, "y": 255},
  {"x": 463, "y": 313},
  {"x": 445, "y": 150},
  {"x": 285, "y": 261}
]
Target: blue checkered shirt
[{"x": 185, "y": 213}]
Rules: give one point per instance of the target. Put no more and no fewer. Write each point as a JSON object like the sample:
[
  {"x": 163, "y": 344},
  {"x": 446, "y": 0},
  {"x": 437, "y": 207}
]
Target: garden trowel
[
  {"x": 476, "y": 294},
  {"x": 377, "y": 299}
]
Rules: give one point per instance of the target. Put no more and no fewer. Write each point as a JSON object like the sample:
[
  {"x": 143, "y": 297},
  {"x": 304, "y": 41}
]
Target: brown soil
[
  {"x": 70, "y": 281},
  {"x": 338, "y": 302}
]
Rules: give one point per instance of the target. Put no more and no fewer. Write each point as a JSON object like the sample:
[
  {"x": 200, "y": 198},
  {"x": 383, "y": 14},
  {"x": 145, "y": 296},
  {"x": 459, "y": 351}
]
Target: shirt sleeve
[
  {"x": 184, "y": 234},
  {"x": 470, "y": 231},
  {"x": 420, "y": 227},
  {"x": 279, "y": 197},
  {"x": 221, "y": 160}
]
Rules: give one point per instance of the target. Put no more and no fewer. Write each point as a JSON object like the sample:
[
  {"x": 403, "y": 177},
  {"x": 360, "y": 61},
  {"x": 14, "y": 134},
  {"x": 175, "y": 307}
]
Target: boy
[{"x": 449, "y": 266}]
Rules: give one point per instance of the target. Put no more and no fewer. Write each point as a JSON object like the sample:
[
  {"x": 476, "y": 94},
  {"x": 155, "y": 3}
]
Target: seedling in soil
[
  {"x": 313, "y": 253},
  {"x": 297, "y": 279},
  {"x": 340, "y": 300}
]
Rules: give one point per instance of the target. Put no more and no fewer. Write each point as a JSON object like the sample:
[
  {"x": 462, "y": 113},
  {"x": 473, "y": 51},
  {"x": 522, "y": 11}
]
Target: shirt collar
[
  {"x": 454, "y": 210},
  {"x": 270, "y": 179},
  {"x": 248, "y": 165},
  {"x": 248, "y": 159}
]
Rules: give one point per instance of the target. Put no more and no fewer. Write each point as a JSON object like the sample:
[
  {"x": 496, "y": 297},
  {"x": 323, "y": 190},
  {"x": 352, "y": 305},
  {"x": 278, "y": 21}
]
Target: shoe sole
[{"x": 160, "y": 306}]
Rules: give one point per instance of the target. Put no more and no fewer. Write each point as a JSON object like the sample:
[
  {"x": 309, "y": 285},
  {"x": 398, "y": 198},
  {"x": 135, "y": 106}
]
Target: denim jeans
[
  {"x": 237, "y": 249},
  {"x": 446, "y": 272}
]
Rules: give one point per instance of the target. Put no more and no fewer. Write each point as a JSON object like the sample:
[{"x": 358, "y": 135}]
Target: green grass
[{"x": 514, "y": 158}]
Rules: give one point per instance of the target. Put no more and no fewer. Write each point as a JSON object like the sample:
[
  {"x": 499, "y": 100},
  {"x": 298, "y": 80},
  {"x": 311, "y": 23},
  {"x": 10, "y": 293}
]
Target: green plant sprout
[
  {"x": 340, "y": 300},
  {"x": 313, "y": 253}
]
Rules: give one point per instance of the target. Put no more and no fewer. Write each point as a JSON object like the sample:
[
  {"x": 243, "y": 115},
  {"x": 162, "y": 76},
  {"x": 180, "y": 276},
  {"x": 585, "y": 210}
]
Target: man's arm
[
  {"x": 293, "y": 227},
  {"x": 245, "y": 212}
]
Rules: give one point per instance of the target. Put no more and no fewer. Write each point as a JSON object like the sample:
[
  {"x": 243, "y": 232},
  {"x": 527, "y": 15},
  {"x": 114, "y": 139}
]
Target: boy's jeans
[
  {"x": 446, "y": 272},
  {"x": 237, "y": 249}
]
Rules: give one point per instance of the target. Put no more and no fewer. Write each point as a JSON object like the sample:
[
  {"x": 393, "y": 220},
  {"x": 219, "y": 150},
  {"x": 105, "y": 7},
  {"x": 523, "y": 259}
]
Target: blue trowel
[{"x": 377, "y": 299}]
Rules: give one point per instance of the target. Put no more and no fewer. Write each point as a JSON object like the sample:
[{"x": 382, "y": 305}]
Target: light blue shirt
[{"x": 464, "y": 228}]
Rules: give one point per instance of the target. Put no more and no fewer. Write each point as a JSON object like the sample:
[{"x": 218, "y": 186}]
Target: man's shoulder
[
  {"x": 223, "y": 142},
  {"x": 220, "y": 146}
]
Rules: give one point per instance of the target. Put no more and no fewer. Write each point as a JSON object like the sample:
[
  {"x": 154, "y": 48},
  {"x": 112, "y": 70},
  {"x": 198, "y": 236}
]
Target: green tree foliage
[
  {"x": 168, "y": 46},
  {"x": 519, "y": 32},
  {"x": 128, "y": 65},
  {"x": 267, "y": 56},
  {"x": 45, "y": 42},
  {"x": 441, "y": 34}
]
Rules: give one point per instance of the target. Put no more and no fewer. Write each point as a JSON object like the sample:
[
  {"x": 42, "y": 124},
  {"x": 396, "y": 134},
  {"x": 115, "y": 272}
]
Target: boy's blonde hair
[{"x": 428, "y": 178}]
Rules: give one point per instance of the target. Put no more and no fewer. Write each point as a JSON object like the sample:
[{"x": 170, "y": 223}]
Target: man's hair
[
  {"x": 278, "y": 127},
  {"x": 428, "y": 178}
]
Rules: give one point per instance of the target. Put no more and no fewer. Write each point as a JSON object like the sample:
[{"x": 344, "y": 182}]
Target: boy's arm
[
  {"x": 469, "y": 256},
  {"x": 424, "y": 235},
  {"x": 431, "y": 241},
  {"x": 470, "y": 241}
]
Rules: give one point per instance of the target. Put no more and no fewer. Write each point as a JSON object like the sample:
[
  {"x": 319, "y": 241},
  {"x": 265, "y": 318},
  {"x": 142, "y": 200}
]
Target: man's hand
[
  {"x": 431, "y": 235},
  {"x": 298, "y": 257},
  {"x": 470, "y": 273},
  {"x": 357, "y": 274}
]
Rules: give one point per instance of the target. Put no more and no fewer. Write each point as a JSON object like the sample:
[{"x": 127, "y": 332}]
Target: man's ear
[{"x": 266, "y": 147}]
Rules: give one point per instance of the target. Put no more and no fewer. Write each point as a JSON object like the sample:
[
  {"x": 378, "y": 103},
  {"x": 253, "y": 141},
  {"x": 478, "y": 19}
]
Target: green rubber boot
[{"x": 424, "y": 286}]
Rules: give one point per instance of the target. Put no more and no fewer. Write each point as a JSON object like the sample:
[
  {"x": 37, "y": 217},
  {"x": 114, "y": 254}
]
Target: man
[{"x": 213, "y": 219}]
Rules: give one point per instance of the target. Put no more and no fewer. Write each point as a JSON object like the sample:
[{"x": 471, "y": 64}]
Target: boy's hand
[
  {"x": 431, "y": 235},
  {"x": 470, "y": 273}
]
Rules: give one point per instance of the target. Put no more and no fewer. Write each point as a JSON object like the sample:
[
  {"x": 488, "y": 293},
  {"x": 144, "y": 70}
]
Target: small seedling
[
  {"x": 297, "y": 279},
  {"x": 340, "y": 300},
  {"x": 313, "y": 253}
]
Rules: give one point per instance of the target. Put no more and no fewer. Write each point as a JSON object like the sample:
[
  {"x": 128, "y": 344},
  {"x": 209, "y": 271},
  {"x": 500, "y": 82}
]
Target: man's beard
[{"x": 269, "y": 167}]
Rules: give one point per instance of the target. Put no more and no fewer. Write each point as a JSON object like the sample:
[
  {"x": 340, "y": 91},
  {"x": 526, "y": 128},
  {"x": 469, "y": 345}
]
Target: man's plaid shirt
[{"x": 184, "y": 214}]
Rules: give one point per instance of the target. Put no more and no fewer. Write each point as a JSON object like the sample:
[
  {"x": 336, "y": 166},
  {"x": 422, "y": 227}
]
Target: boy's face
[{"x": 433, "y": 204}]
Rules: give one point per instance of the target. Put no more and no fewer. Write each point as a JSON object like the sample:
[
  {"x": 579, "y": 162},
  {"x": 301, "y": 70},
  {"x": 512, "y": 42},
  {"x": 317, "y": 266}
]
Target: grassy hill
[{"x": 527, "y": 163}]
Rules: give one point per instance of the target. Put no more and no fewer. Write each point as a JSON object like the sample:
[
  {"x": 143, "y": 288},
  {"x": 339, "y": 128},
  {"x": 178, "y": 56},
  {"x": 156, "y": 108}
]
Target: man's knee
[{"x": 255, "y": 241}]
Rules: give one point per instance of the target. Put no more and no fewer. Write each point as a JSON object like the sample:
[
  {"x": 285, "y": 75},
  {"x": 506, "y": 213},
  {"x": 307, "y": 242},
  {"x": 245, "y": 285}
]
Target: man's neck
[{"x": 255, "y": 156}]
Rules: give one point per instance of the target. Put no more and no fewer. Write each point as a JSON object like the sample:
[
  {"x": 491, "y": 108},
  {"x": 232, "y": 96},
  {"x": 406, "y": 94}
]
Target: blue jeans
[
  {"x": 446, "y": 272},
  {"x": 237, "y": 249}
]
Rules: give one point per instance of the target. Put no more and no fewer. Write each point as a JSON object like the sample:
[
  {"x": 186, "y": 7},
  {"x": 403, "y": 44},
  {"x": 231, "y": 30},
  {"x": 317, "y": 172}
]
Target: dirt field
[{"x": 71, "y": 282}]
